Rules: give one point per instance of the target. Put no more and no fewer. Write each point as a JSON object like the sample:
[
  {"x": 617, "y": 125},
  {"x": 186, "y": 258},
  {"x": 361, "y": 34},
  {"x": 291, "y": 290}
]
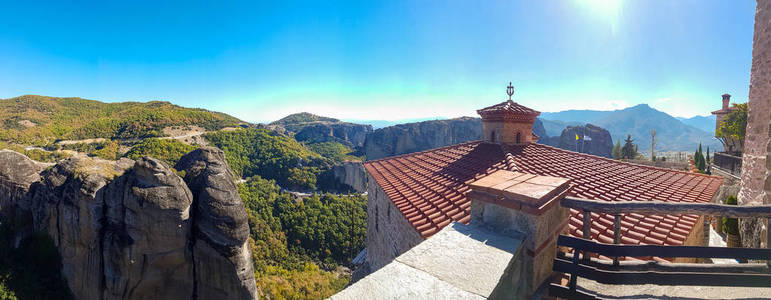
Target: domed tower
[{"x": 508, "y": 122}]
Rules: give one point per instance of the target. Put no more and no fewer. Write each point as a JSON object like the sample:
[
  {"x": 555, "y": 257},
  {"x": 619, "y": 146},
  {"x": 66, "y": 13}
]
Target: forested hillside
[
  {"x": 39, "y": 120},
  {"x": 263, "y": 152},
  {"x": 298, "y": 244}
]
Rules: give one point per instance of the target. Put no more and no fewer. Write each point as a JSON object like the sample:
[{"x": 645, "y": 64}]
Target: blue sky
[{"x": 381, "y": 60}]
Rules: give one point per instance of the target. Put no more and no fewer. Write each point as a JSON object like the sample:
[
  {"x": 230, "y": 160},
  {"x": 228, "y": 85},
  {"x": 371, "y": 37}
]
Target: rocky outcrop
[
  {"x": 349, "y": 134},
  {"x": 17, "y": 173},
  {"x": 591, "y": 140},
  {"x": 540, "y": 131},
  {"x": 223, "y": 263},
  {"x": 311, "y": 128},
  {"x": 413, "y": 137},
  {"x": 134, "y": 229},
  {"x": 352, "y": 175}
]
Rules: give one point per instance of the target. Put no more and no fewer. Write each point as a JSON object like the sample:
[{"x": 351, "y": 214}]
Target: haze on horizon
[{"x": 387, "y": 60}]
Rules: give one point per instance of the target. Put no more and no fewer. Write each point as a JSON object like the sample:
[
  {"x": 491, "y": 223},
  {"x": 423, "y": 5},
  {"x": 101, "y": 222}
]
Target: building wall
[
  {"x": 756, "y": 148},
  {"x": 389, "y": 234},
  {"x": 506, "y": 132}
]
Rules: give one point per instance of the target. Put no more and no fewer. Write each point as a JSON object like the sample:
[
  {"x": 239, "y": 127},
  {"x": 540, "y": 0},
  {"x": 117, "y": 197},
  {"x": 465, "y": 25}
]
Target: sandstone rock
[
  {"x": 134, "y": 230},
  {"x": 413, "y": 137},
  {"x": 311, "y": 128},
  {"x": 223, "y": 266},
  {"x": 540, "y": 131},
  {"x": 17, "y": 173},
  {"x": 146, "y": 236},
  {"x": 599, "y": 142},
  {"x": 68, "y": 204},
  {"x": 352, "y": 175}
]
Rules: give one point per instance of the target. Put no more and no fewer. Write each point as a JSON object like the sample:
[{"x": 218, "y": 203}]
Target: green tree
[
  {"x": 732, "y": 129},
  {"x": 707, "y": 169},
  {"x": 616, "y": 153},
  {"x": 629, "y": 151},
  {"x": 698, "y": 160}
]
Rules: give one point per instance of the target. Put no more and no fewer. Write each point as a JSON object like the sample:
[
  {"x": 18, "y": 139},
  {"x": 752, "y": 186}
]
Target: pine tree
[
  {"x": 698, "y": 160},
  {"x": 707, "y": 169},
  {"x": 629, "y": 151},
  {"x": 617, "y": 150}
]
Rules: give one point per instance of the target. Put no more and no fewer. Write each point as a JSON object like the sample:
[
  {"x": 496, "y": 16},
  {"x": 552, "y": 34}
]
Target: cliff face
[
  {"x": 413, "y": 137},
  {"x": 134, "y": 229},
  {"x": 311, "y": 128},
  {"x": 352, "y": 175},
  {"x": 352, "y": 135},
  {"x": 591, "y": 140}
]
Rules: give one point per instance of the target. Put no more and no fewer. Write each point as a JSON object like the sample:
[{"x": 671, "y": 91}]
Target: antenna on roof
[{"x": 510, "y": 90}]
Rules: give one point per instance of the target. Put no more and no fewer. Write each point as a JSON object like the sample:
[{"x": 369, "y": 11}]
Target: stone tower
[
  {"x": 508, "y": 123},
  {"x": 756, "y": 163}
]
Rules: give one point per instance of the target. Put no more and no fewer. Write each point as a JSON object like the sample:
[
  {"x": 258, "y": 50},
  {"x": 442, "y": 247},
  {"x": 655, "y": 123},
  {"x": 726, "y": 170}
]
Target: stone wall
[
  {"x": 389, "y": 234},
  {"x": 756, "y": 148},
  {"x": 506, "y": 132}
]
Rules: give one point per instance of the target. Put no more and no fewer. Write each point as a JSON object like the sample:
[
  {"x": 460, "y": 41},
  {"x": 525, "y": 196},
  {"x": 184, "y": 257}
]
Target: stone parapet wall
[
  {"x": 756, "y": 148},
  {"x": 389, "y": 234}
]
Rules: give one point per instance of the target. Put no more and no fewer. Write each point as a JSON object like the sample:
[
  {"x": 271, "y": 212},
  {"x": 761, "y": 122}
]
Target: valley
[{"x": 300, "y": 178}]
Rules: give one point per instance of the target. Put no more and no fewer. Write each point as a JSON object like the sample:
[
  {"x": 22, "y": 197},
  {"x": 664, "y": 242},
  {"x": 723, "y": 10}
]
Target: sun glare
[{"x": 609, "y": 10}]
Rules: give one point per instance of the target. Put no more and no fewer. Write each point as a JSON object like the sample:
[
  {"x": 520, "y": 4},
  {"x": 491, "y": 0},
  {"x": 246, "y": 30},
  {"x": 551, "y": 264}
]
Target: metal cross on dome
[{"x": 510, "y": 90}]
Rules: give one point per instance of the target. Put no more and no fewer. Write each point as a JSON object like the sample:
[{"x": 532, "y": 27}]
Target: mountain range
[{"x": 672, "y": 134}]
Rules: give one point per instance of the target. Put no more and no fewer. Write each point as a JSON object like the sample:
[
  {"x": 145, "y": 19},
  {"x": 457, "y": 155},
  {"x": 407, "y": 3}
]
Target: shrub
[{"x": 731, "y": 225}]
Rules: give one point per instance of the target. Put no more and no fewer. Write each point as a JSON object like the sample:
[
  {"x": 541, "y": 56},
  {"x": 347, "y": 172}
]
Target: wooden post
[
  {"x": 587, "y": 229},
  {"x": 616, "y": 234},
  {"x": 768, "y": 233}
]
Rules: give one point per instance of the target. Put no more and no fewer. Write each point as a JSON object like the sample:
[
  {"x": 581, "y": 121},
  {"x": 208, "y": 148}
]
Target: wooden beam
[
  {"x": 757, "y": 268},
  {"x": 611, "y": 250},
  {"x": 616, "y": 234},
  {"x": 667, "y": 208},
  {"x": 664, "y": 278}
]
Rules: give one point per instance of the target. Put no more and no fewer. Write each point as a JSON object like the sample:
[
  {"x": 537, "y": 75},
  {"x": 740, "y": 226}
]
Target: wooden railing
[{"x": 616, "y": 272}]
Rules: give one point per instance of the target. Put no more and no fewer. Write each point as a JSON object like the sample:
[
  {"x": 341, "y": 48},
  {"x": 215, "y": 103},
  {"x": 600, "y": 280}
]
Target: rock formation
[
  {"x": 413, "y": 137},
  {"x": 311, "y": 128},
  {"x": 539, "y": 130},
  {"x": 223, "y": 263},
  {"x": 134, "y": 229},
  {"x": 591, "y": 140},
  {"x": 352, "y": 175}
]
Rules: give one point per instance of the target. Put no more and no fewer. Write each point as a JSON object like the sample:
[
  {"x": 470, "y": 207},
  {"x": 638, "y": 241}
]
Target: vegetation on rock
[
  {"x": 36, "y": 154},
  {"x": 302, "y": 117},
  {"x": 168, "y": 150},
  {"x": 335, "y": 151}
]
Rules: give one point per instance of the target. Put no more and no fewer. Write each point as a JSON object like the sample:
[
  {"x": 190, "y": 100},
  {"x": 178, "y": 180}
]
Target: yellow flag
[{"x": 576, "y": 136}]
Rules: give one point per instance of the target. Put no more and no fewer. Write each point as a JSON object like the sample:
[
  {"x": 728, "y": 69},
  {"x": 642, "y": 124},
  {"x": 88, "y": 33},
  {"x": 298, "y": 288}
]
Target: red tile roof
[
  {"x": 508, "y": 107},
  {"x": 430, "y": 187}
]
